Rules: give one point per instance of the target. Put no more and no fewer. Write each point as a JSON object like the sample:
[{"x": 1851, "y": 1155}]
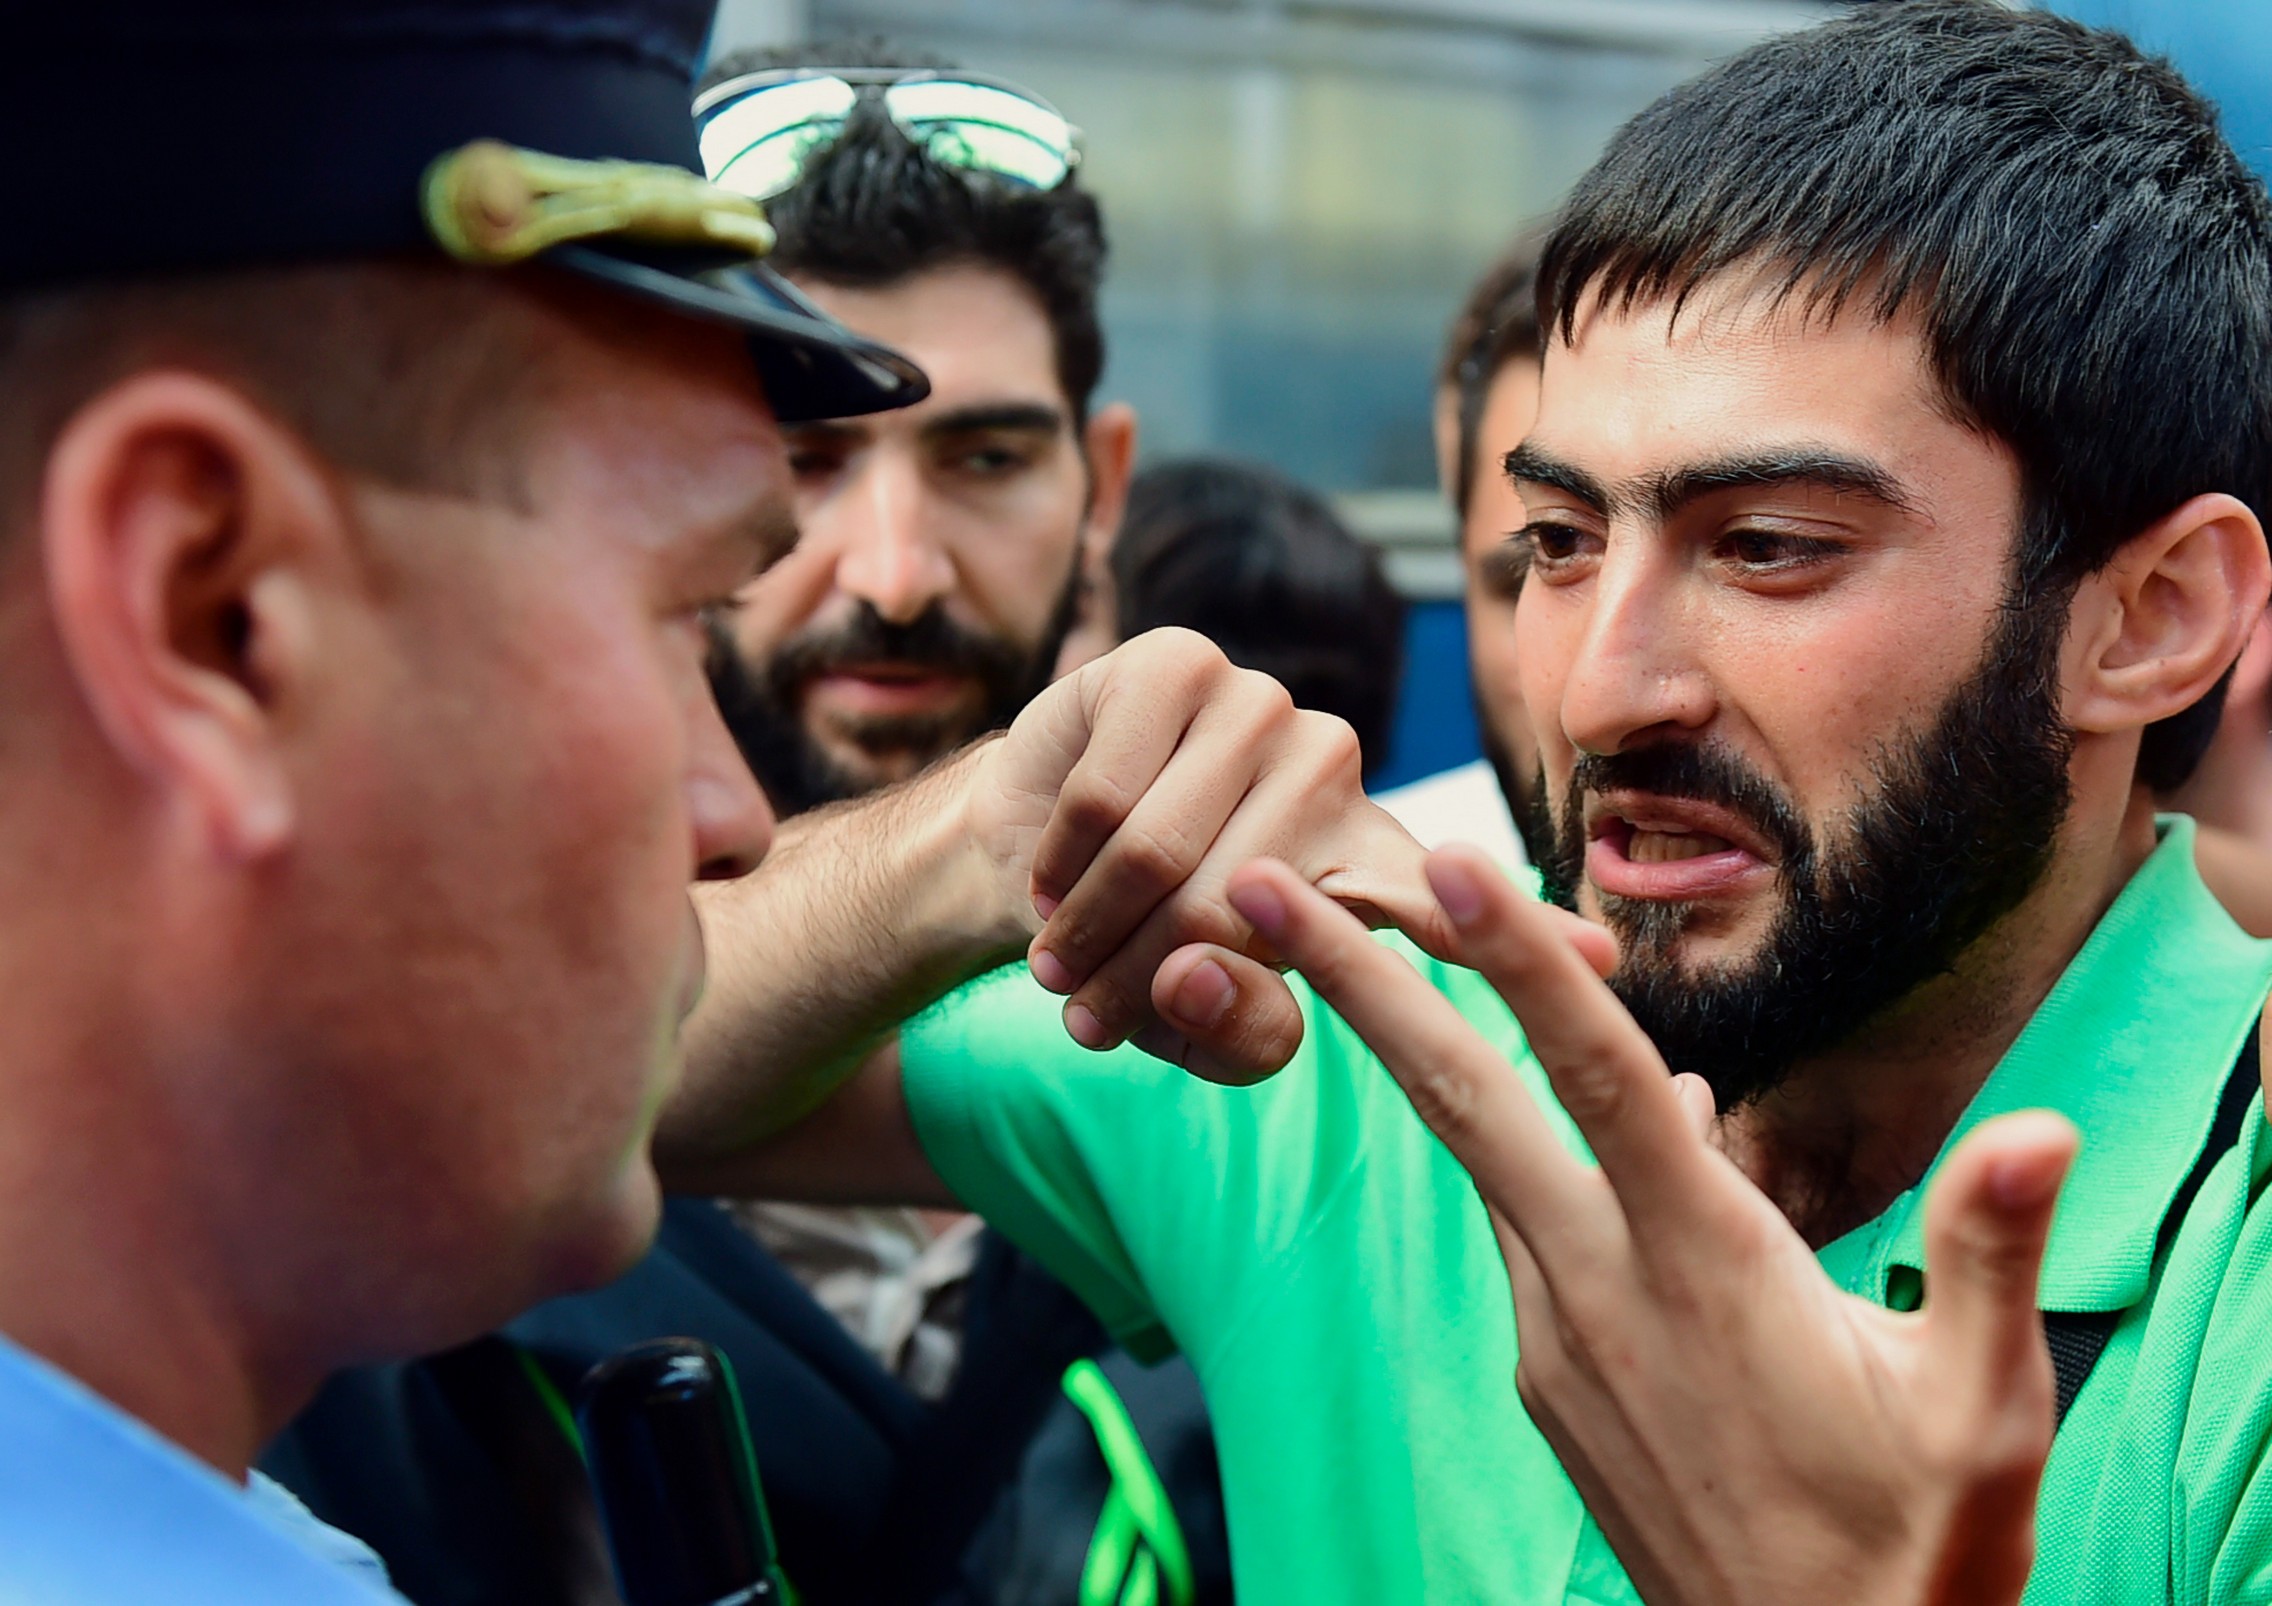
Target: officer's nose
[
  {"x": 892, "y": 557},
  {"x": 731, "y": 819}
]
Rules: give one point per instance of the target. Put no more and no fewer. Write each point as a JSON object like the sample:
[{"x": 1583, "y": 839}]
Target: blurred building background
[{"x": 1298, "y": 193}]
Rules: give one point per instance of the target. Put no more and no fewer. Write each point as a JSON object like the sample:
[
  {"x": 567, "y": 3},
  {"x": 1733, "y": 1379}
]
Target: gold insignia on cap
[{"x": 493, "y": 204}]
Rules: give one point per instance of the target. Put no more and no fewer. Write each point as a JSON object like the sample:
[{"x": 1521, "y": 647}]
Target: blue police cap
[{"x": 171, "y": 136}]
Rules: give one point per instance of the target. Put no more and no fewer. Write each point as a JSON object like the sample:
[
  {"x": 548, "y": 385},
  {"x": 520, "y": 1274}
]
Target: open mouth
[
  {"x": 1671, "y": 849},
  {"x": 1666, "y": 847}
]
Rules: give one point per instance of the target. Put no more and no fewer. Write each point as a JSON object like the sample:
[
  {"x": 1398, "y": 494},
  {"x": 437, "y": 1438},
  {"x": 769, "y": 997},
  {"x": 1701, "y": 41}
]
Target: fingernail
[
  {"x": 1456, "y": 888},
  {"x": 2022, "y": 1183},
  {"x": 1044, "y": 905},
  {"x": 1082, "y": 1025},
  {"x": 1203, "y": 997},
  {"x": 1051, "y": 971},
  {"x": 1262, "y": 906}
]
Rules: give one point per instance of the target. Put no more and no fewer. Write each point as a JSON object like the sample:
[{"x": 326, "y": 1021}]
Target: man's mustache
[
  {"x": 931, "y": 641},
  {"x": 1701, "y": 773}
]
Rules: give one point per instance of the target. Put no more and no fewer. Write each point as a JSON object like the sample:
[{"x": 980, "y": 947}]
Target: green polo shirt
[{"x": 1326, "y": 1267}]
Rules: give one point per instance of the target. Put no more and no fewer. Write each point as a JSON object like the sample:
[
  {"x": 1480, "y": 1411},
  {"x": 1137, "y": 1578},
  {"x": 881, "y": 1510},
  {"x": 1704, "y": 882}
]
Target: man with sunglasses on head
[
  {"x": 942, "y": 553},
  {"x": 943, "y": 557}
]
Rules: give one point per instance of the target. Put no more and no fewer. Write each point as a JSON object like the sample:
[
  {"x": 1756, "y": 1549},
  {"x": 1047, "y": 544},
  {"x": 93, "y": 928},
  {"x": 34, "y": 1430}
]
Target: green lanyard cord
[
  {"x": 1137, "y": 1539},
  {"x": 555, "y": 1404}
]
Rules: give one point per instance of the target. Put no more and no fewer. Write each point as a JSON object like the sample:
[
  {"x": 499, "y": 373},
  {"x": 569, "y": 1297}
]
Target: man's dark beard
[
  {"x": 759, "y": 702},
  {"x": 1958, "y": 829}
]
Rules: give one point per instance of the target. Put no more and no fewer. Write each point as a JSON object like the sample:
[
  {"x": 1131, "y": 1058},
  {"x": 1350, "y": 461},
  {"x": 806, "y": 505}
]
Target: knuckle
[
  {"x": 1755, "y": 1241},
  {"x": 1191, "y": 917},
  {"x": 1109, "y": 999},
  {"x": 1543, "y": 1377},
  {"x": 1591, "y": 1090},
  {"x": 1339, "y": 755},
  {"x": 1570, "y": 1338},
  {"x": 1073, "y": 935},
  {"x": 1526, "y": 1384},
  {"x": 1151, "y": 859},
  {"x": 1446, "y": 1101},
  {"x": 1189, "y": 656},
  {"x": 1095, "y": 805},
  {"x": 1591, "y": 1313},
  {"x": 1266, "y": 1035},
  {"x": 1272, "y": 703}
]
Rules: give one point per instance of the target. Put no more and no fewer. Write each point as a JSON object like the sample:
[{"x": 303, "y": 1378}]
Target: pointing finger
[
  {"x": 1603, "y": 1067},
  {"x": 1461, "y": 1087}
]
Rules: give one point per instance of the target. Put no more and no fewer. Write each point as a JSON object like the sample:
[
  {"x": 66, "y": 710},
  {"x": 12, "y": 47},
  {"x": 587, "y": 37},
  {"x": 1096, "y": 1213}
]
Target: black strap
[{"x": 2079, "y": 1338}]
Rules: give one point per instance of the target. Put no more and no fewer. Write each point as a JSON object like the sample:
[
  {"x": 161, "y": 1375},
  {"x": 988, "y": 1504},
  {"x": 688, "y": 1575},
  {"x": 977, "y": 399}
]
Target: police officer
[
  {"x": 380, "y": 415},
  {"x": 386, "y": 405}
]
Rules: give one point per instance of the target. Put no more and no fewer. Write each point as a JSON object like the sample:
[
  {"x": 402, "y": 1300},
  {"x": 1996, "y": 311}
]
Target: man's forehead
[
  {"x": 673, "y": 440},
  {"x": 1742, "y": 322},
  {"x": 1732, "y": 371},
  {"x": 979, "y": 332}
]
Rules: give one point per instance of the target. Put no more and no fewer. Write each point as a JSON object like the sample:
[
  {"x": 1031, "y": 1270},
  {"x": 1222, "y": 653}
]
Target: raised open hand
[{"x": 1746, "y": 1433}]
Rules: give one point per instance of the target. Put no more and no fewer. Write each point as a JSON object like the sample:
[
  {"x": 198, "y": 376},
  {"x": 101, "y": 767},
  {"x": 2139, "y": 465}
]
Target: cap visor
[{"x": 812, "y": 366}]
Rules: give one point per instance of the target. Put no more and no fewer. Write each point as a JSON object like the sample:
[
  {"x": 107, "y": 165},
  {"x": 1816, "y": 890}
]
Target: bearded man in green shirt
[{"x": 1888, "y": 534}]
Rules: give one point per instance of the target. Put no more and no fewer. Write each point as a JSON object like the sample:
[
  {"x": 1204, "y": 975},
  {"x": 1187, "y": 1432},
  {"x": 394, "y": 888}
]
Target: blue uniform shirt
[{"x": 96, "y": 1509}]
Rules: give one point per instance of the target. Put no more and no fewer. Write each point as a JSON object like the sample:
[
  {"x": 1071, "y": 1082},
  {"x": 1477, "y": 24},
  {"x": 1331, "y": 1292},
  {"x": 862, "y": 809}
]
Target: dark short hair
[
  {"x": 1262, "y": 567},
  {"x": 1497, "y": 324},
  {"x": 2090, "y": 263},
  {"x": 872, "y": 209}
]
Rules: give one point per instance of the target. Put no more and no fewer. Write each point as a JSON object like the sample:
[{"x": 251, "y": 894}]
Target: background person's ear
[
  {"x": 1109, "y": 443},
  {"x": 2154, "y": 629},
  {"x": 180, "y": 527}
]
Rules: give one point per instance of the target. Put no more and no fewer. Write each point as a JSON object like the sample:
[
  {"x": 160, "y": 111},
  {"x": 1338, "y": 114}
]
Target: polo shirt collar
[
  {"x": 2134, "y": 1045},
  {"x": 97, "y": 1508}
]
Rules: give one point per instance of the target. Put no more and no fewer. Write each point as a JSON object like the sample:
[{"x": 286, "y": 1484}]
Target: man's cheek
[{"x": 1537, "y": 699}]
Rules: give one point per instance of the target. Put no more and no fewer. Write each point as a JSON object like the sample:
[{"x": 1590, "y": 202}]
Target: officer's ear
[
  {"x": 182, "y": 530},
  {"x": 2152, "y": 632}
]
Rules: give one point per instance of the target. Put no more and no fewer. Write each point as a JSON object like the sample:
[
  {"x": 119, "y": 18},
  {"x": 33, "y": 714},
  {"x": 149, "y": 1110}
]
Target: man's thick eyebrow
[
  {"x": 1801, "y": 468},
  {"x": 1527, "y": 464},
  {"x": 1038, "y": 417},
  {"x": 1665, "y": 494}
]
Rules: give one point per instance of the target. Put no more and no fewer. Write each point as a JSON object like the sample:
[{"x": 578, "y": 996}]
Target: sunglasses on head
[{"x": 758, "y": 130}]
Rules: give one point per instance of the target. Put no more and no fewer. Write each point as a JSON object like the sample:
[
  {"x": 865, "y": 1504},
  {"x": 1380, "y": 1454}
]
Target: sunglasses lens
[
  {"x": 980, "y": 128},
  {"x": 756, "y": 145}
]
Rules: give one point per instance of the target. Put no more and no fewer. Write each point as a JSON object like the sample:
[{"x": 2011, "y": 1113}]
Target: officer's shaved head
[{"x": 418, "y": 375}]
